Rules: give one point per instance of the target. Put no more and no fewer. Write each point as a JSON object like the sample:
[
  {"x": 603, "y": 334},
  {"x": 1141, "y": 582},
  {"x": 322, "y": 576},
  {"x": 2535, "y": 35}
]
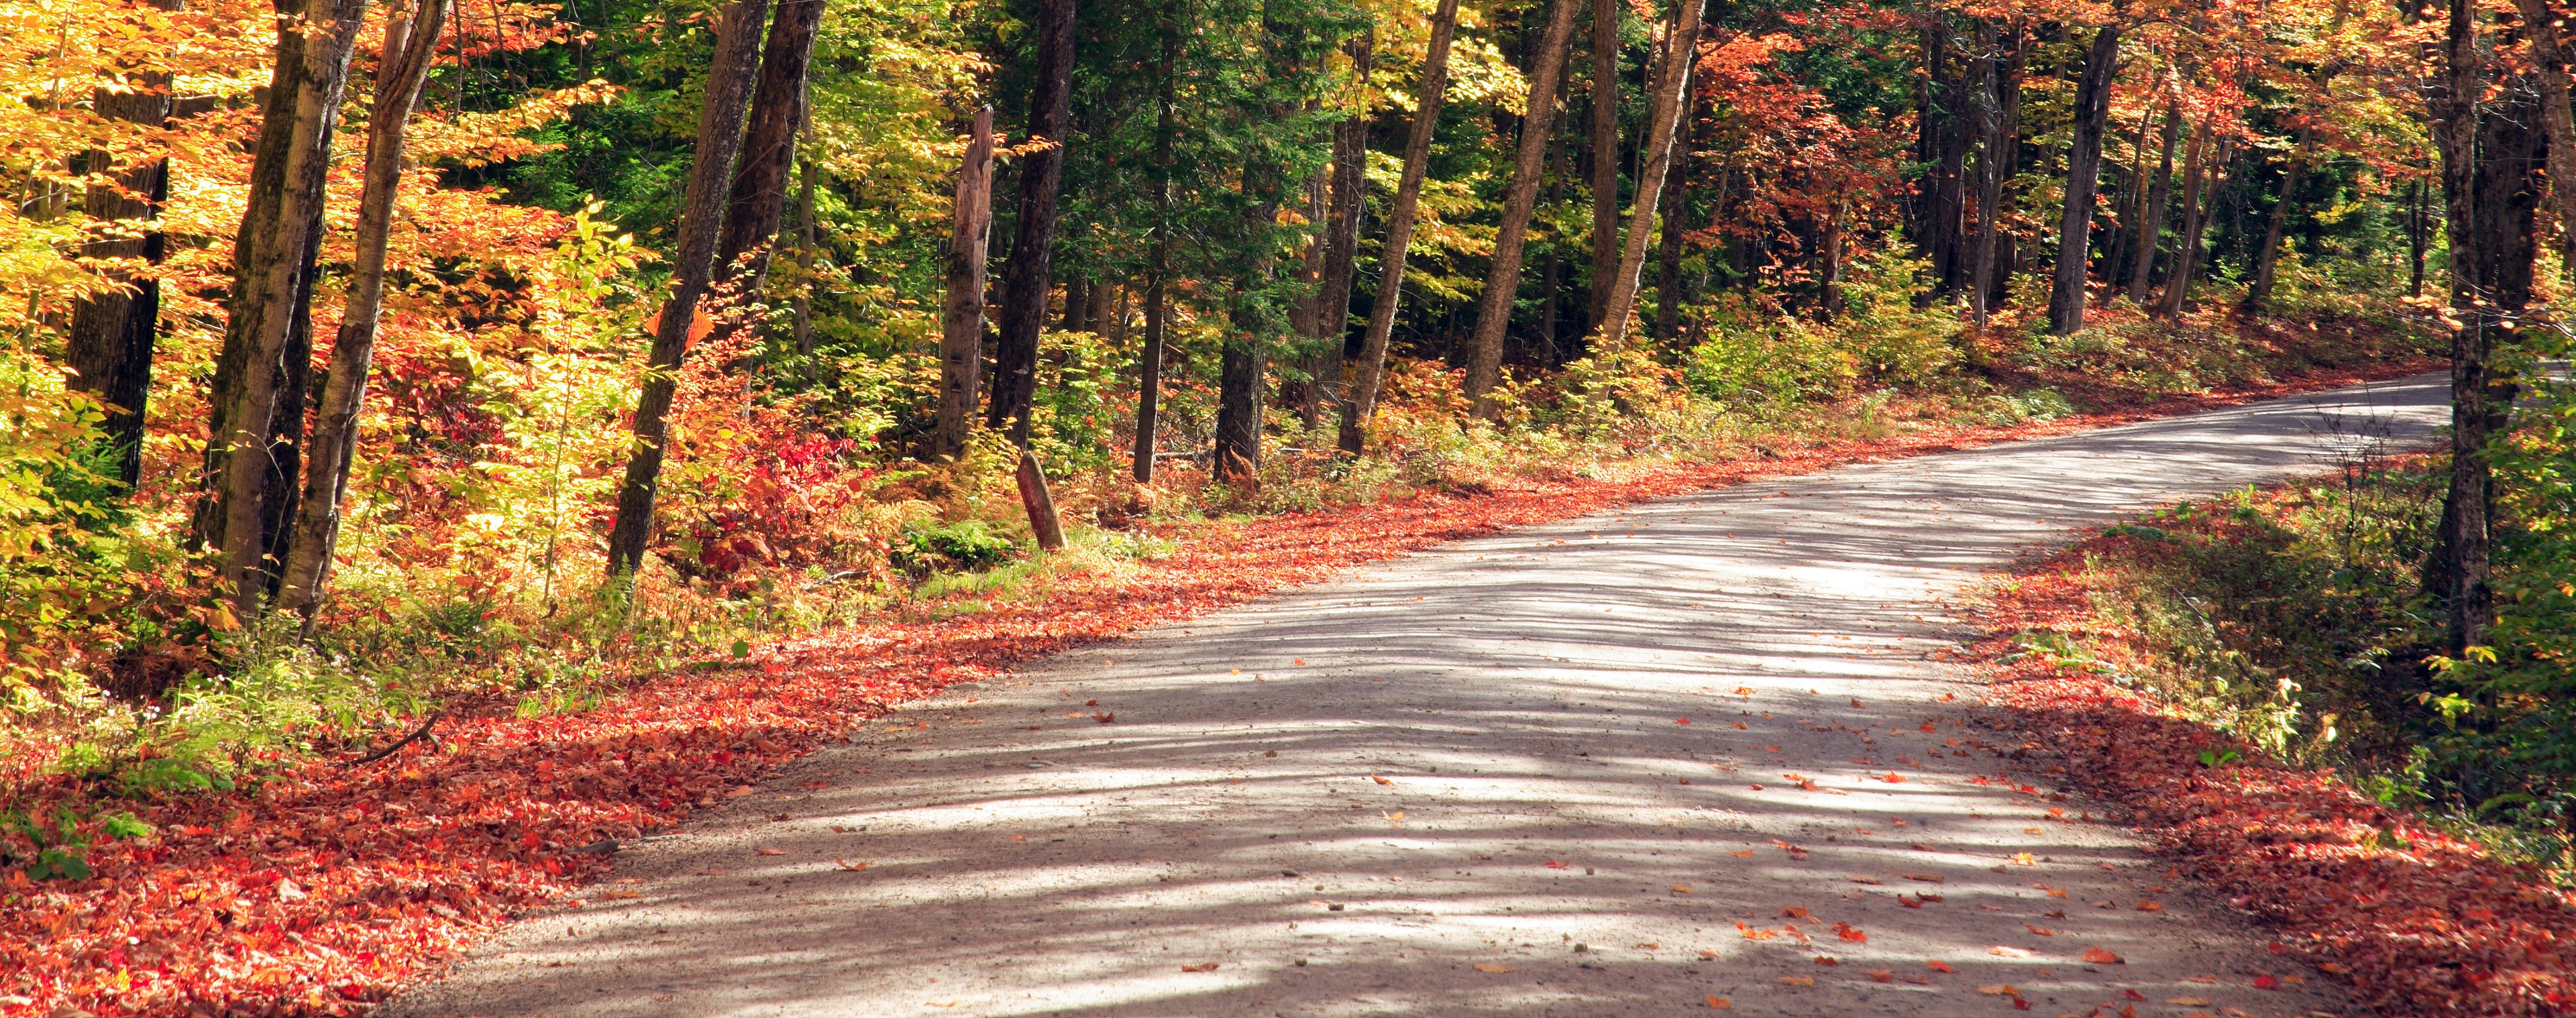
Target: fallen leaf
[
  {"x": 2186, "y": 1001},
  {"x": 2039, "y": 931},
  {"x": 2149, "y": 906},
  {"x": 2267, "y": 982},
  {"x": 1892, "y": 777},
  {"x": 773, "y": 851},
  {"x": 851, "y": 866},
  {"x": 1681, "y": 889},
  {"x": 1716, "y": 1003},
  {"x": 1929, "y": 878},
  {"x": 1858, "y": 879},
  {"x": 1380, "y": 780},
  {"x": 1998, "y": 989},
  {"x": 1940, "y": 966},
  {"x": 1200, "y": 967},
  {"x": 1799, "y": 980},
  {"x": 2099, "y": 956},
  {"x": 1554, "y": 865},
  {"x": 1795, "y": 912},
  {"x": 1845, "y": 931},
  {"x": 1681, "y": 721},
  {"x": 1827, "y": 959},
  {"x": 1882, "y": 976},
  {"x": 1479, "y": 966},
  {"x": 1747, "y": 853},
  {"x": 2001, "y": 951}
]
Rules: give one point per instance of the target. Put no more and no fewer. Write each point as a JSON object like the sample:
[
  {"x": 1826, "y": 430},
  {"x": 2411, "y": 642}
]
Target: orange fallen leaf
[
  {"x": 1827, "y": 959},
  {"x": 1845, "y": 931},
  {"x": 773, "y": 851},
  {"x": 1482, "y": 967},
  {"x": 2187, "y": 1001},
  {"x": 1747, "y": 853},
  {"x": 1681, "y": 889},
  {"x": 1882, "y": 976},
  {"x": 1795, "y": 912},
  {"x": 1380, "y": 780},
  {"x": 1999, "y": 990},
  {"x": 2099, "y": 956},
  {"x": 1201, "y": 967},
  {"x": 1892, "y": 777},
  {"x": 2149, "y": 906},
  {"x": 1940, "y": 966},
  {"x": 1929, "y": 878},
  {"x": 851, "y": 866},
  {"x": 1799, "y": 980},
  {"x": 2039, "y": 931},
  {"x": 1717, "y": 1003}
]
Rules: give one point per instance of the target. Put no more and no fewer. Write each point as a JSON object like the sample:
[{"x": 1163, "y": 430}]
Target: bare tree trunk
[
  {"x": 1362, "y": 400},
  {"x": 961, "y": 318},
  {"x": 1990, "y": 173},
  {"x": 1549, "y": 274},
  {"x": 1829, "y": 279},
  {"x": 411, "y": 46},
  {"x": 113, "y": 333},
  {"x": 759, "y": 196},
  {"x": 1605, "y": 156},
  {"x": 1520, "y": 199},
  {"x": 804, "y": 300},
  {"x": 720, "y": 136},
  {"x": 1306, "y": 313},
  {"x": 2461, "y": 563},
  {"x": 2541, "y": 27},
  {"x": 1024, "y": 276},
  {"x": 1668, "y": 246},
  {"x": 1342, "y": 242},
  {"x": 2083, "y": 174},
  {"x": 2198, "y": 174},
  {"x": 1149, "y": 368},
  {"x": 2268, "y": 257},
  {"x": 2415, "y": 240},
  {"x": 1664, "y": 116},
  {"x": 282, "y": 289},
  {"x": 2151, "y": 223}
]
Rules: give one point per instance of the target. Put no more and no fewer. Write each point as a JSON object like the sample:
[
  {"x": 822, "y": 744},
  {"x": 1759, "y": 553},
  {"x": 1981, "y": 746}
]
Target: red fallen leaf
[
  {"x": 1882, "y": 975},
  {"x": 1091, "y": 703},
  {"x": 2038, "y": 931},
  {"x": 2099, "y": 956},
  {"x": 1302, "y": 661},
  {"x": 2277, "y": 947},
  {"x": 2267, "y": 982},
  {"x": 2020, "y": 1004},
  {"x": 1555, "y": 865},
  {"x": 1940, "y": 966},
  {"x": 1845, "y": 931},
  {"x": 1104, "y": 718},
  {"x": 1908, "y": 902},
  {"x": 1892, "y": 777},
  {"x": 2133, "y": 995},
  {"x": 1681, "y": 721}
]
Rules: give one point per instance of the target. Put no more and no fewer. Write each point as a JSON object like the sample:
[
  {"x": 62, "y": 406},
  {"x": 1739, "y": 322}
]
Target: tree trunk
[
  {"x": 759, "y": 197},
  {"x": 1342, "y": 243},
  {"x": 1829, "y": 277},
  {"x": 961, "y": 317},
  {"x": 113, "y": 333},
  {"x": 1668, "y": 246},
  {"x": 2415, "y": 240},
  {"x": 1305, "y": 314},
  {"x": 1520, "y": 199},
  {"x": 2541, "y": 27},
  {"x": 1664, "y": 115},
  {"x": 1149, "y": 367},
  {"x": 1362, "y": 400},
  {"x": 1024, "y": 276},
  {"x": 2459, "y": 566},
  {"x": 1605, "y": 156},
  {"x": 804, "y": 300},
  {"x": 720, "y": 136},
  {"x": 2083, "y": 173},
  {"x": 1991, "y": 170},
  {"x": 2198, "y": 177},
  {"x": 260, "y": 469},
  {"x": 1950, "y": 184},
  {"x": 411, "y": 46},
  {"x": 2151, "y": 222},
  {"x": 2268, "y": 257}
]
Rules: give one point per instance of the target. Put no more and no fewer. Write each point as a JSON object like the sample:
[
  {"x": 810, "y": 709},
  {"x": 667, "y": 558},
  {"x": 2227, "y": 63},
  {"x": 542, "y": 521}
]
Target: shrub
[{"x": 962, "y": 546}]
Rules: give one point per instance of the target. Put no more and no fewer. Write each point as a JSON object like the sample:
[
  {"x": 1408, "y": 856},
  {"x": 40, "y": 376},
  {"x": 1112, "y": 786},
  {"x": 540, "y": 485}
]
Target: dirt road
[{"x": 1620, "y": 765}]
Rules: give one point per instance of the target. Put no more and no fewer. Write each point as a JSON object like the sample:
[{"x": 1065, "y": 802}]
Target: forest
[{"x": 374, "y": 371}]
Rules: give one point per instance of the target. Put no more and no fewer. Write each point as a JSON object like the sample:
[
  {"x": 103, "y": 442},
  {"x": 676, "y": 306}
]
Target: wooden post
[
  {"x": 961, "y": 320},
  {"x": 1040, "y": 504}
]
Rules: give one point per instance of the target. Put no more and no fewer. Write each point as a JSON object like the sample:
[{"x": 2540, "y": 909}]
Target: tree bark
[
  {"x": 2549, "y": 58},
  {"x": 1305, "y": 314},
  {"x": 1342, "y": 242},
  {"x": 804, "y": 300},
  {"x": 411, "y": 46},
  {"x": 759, "y": 197},
  {"x": 259, "y": 469},
  {"x": 1149, "y": 368},
  {"x": 2460, "y": 565},
  {"x": 1605, "y": 156},
  {"x": 1668, "y": 245},
  {"x": 2267, "y": 258},
  {"x": 961, "y": 317},
  {"x": 1362, "y": 400},
  {"x": 1664, "y": 115},
  {"x": 1991, "y": 169},
  {"x": 1520, "y": 200},
  {"x": 2151, "y": 224},
  {"x": 2199, "y": 176},
  {"x": 112, "y": 335},
  {"x": 720, "y": 136},
  {"x": 2083, "y": 173},
  {"x": 1024, "y": 276}
]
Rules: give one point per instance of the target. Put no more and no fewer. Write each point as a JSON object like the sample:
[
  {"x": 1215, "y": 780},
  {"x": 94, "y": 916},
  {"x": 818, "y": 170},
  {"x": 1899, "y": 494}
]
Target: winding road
[{"x": 1700, "y": 750}]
